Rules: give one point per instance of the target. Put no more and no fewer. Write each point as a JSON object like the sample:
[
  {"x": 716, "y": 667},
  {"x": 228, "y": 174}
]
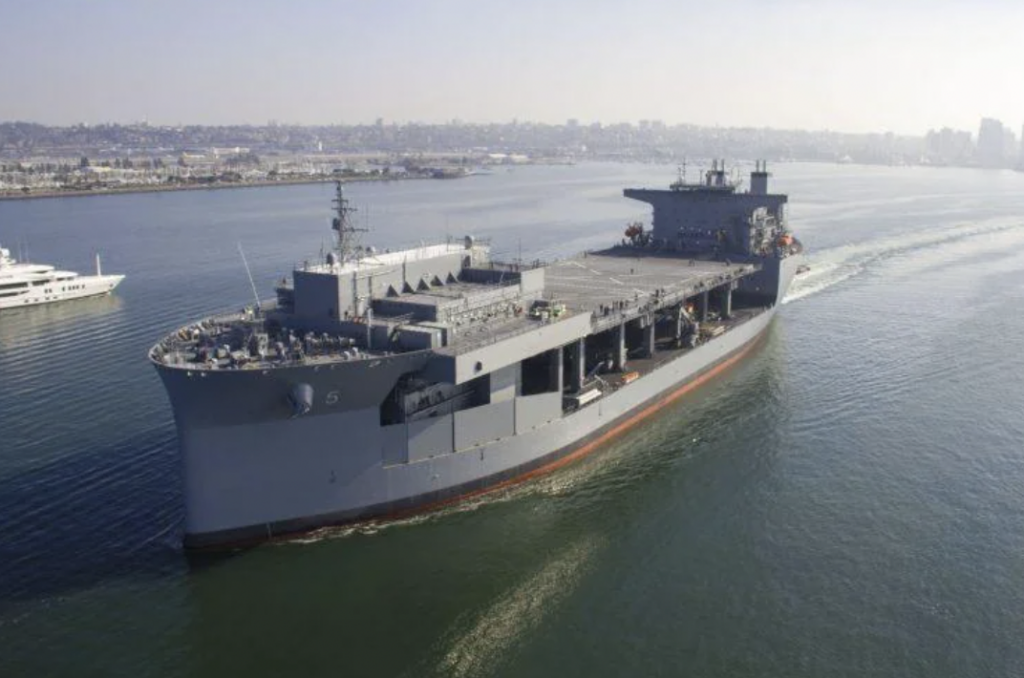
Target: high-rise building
[
  {"x": 1009, "y": 146},
  {"x": 1020, "y": 152},
  {"x": 991, "y": 143},
  {"x": 948, "y": 147}
]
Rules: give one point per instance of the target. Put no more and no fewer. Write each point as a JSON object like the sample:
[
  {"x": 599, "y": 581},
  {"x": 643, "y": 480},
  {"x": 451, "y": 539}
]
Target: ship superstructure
[
  {"x": 27, "y": 284},
  {"x": 382, "y": 382}
]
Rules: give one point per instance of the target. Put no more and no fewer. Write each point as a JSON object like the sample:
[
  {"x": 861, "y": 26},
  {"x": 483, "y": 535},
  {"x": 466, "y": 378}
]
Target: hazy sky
[{"x": 901, "y": 65}]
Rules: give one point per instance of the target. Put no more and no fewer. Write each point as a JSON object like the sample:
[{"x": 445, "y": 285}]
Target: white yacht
[{"x": 23, "y": 284}]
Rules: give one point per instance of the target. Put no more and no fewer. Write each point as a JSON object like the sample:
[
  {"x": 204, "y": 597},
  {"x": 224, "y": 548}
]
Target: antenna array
[{"x": 343, "y": 225}]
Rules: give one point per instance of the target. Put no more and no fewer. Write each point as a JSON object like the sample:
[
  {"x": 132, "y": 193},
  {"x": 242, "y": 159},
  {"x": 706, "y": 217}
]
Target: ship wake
[
  {"x": 836, "y": 265},
  {"x": 475, "y": 647}
]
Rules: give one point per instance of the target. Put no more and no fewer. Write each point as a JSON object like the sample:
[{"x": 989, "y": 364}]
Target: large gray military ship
[{"x": 383, "y": 382}]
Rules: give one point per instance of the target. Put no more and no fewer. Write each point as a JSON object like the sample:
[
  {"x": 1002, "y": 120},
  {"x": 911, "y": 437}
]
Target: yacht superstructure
[{"x": 27, "y": 284}]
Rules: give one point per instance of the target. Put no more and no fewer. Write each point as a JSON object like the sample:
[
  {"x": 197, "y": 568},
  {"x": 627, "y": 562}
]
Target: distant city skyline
[
  {"x": 781, "y": 64},
  {"x": 29, "y": 146}
]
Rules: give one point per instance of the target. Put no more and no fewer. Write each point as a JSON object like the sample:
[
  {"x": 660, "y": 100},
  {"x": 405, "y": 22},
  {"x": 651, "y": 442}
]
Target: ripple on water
[{"x": 844, "y": 502}]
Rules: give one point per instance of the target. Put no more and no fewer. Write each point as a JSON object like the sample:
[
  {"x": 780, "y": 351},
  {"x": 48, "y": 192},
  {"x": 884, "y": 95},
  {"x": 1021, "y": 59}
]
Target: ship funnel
[
  {"x": 759, "y": 178},
  {"x": 716, "y": 175},
  {"x": 99, "y": 269}
]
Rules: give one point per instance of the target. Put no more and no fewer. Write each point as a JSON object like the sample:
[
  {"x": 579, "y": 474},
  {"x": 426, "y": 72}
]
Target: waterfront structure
[
  {"x": 26, "y": 284},
  {"x": 379, "y": 383}
]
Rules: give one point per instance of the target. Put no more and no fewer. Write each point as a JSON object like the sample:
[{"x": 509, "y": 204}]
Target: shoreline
[{"x": 122, "y": 190}]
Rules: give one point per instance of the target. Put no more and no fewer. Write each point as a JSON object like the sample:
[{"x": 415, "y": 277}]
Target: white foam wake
[
  {"x": 819, "y": 278},
  {"x": 835, "y": 265},
  {"x": 520, "y": 610}
]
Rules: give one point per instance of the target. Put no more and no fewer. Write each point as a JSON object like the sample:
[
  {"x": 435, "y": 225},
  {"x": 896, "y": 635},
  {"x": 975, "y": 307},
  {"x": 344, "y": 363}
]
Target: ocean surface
[{"x": 847, "y": 501}]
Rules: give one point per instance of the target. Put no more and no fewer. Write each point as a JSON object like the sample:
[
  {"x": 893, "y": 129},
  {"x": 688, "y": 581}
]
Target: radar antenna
[
  {"x": 341, "y": 223},
  {"x": 680, "y": 183}
]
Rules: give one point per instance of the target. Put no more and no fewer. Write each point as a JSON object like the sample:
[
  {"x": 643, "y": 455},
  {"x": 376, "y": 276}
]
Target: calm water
[{"x": 849, "y": 501}]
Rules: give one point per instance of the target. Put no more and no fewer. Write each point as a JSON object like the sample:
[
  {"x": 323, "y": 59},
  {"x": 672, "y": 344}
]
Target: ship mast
[{"x": 343, "y": 225}]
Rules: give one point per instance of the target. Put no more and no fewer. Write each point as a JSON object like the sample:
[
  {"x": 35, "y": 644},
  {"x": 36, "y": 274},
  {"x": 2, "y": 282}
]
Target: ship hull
[
  {"x": 387, "y": 383},
  {"x": 251, "y": 481}
]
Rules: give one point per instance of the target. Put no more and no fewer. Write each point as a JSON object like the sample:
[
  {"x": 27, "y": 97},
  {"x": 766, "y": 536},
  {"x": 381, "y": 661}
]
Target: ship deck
[
  {"x": 614, "y": 285},
  {"x": 619, "y": 277}
]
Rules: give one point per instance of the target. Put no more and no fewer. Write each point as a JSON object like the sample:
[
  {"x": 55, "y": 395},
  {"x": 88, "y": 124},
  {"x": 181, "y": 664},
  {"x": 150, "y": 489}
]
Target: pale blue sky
[{"x": 903, "y": 65}]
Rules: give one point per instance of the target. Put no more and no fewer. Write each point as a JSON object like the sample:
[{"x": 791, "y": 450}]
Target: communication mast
[{"x": 343, "y": 225}]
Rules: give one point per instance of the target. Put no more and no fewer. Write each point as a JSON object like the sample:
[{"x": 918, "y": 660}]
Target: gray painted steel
[{"x": 382, "y": 428}]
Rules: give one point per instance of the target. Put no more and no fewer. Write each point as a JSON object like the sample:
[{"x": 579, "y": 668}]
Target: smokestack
[{"x": 759, "y": 178}]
